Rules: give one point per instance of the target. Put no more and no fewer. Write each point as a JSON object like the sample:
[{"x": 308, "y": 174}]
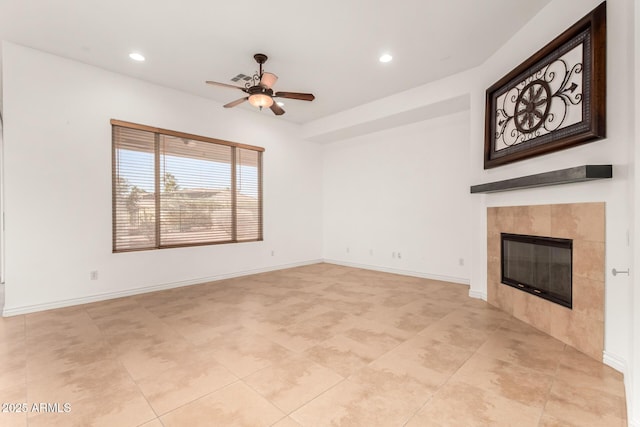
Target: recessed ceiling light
[
  {"x": 136, "y": 56},
  {"x": 280, "y": 103},
  {"x": 385, "y": 58}
]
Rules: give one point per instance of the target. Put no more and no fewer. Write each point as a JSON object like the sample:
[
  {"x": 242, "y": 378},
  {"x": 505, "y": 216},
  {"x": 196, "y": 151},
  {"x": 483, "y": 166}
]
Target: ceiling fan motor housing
[{"x": 253, "y": 90}]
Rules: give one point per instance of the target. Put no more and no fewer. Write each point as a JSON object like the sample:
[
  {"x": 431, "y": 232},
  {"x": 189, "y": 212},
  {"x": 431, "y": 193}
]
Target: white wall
[
  {"x": 402, "y": 190},
  {"x": 57, "y": 148},
  {"x": 1, "y": 210},
  {"x": 633, "y": 380},
  {"x": 616, "y": 149}
]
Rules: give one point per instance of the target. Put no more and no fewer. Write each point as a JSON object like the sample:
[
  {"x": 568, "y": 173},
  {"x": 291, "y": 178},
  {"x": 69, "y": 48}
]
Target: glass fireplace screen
[{"x": 538, "y": 265}]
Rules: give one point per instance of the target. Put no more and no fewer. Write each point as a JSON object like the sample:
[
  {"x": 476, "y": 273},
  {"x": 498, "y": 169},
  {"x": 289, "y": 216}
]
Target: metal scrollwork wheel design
[{"x": 532, "y": 106}]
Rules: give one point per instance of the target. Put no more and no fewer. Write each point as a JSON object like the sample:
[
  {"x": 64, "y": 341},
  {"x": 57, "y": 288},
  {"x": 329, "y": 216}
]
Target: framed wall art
[{"x": 554, "y": 100}]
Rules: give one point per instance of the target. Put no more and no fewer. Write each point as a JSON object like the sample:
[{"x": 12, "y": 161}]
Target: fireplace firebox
[{"x": 538, "y": 265}]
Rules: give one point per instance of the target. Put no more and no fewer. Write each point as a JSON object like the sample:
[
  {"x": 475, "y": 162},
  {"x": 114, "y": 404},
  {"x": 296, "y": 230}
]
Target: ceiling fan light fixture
[
  {"x": 268, "y": 79},
  {"x": 260, "y": 100}
]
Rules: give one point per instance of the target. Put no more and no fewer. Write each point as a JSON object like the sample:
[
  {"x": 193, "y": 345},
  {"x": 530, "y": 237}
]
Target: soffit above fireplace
[{"x": 561, "y": 176}]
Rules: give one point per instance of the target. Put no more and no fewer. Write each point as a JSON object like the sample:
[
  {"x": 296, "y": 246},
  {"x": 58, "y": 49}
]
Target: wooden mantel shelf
[{"x": 562, "y": 176}]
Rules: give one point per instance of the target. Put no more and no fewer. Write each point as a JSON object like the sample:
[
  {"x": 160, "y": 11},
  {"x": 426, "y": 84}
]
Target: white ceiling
[{"x": 329, "y": 48}]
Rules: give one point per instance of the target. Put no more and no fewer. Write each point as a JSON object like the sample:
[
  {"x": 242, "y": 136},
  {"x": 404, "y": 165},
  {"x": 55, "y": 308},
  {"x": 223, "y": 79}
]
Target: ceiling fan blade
[
  {"x": 209, "y": 82},
  {"x": 268, "y": 80},
  {"x": 277, "y": 110},
  {"x": 296, "y": 95},
  {"x": 236, "y": 102}
]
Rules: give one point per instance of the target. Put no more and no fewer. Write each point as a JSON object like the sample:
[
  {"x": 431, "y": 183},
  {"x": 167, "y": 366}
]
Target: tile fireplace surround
[{"x": 583, "y": 326}]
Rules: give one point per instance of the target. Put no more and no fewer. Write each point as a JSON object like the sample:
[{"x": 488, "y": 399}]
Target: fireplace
[
  {"x": 583, "y": 224},
  {"x": 538, "y": 265}
]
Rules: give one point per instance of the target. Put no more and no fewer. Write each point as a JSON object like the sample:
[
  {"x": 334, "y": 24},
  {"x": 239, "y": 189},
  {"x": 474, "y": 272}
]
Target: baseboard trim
[
  {"x": 14, "y": 311},
  {"x": 477, "y": 294},
  {"x": 620, "y": 364},
  {"x": 615, "y": 361},
  {"x": 411, "y": 273}
]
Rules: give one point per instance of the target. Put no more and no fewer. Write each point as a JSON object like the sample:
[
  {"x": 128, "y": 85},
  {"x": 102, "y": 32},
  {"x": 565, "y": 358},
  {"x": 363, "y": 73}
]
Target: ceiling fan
[{"x": 260, "y": 92}]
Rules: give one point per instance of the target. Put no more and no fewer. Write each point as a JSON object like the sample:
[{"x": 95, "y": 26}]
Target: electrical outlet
[
  {"x": 461, "y": 261},
  {"x": 347, "y": 249},
  {"x": 393, "y": 254},
  {"x": 399, "y": 255},
  {"x": 93, "y": 275},
  {"x": 273, "y": 252}
]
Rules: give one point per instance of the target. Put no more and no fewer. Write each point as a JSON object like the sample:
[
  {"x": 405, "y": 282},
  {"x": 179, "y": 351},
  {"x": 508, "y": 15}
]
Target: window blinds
[{"x": 172, "y": 189}]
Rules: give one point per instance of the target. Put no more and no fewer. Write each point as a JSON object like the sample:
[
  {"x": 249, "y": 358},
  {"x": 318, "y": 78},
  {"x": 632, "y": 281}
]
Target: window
[{"x": 173, "y": 189}]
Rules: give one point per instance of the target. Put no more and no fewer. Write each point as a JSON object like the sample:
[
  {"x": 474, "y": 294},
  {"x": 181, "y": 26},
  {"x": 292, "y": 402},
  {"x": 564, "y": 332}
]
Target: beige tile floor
[{"x": 311, "y": 346}]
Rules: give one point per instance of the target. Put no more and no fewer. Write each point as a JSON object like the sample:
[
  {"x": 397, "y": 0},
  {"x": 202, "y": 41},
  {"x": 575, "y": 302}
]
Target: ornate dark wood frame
[{"x": 593, "y": 125}]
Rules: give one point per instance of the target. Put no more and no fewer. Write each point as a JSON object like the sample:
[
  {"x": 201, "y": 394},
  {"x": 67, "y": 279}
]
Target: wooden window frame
[{"x": 156, "y": 150}]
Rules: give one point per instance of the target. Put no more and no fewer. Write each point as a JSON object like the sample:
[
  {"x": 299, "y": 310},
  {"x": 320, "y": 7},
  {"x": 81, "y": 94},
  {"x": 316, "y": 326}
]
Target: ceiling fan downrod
[{"x": 260, "y": 58}]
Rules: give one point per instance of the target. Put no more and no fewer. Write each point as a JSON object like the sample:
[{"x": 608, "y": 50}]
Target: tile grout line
[
  {"x": 553, "y": 381},
  {"x": 200, "y": 397},
  {"x": 316, "y": 397},
  {"x": 124, "y": 368},
  {"x": 265, "y": 397},
  {"x": 441, "y": 386},
  {"x": 158, "y": 416}
]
